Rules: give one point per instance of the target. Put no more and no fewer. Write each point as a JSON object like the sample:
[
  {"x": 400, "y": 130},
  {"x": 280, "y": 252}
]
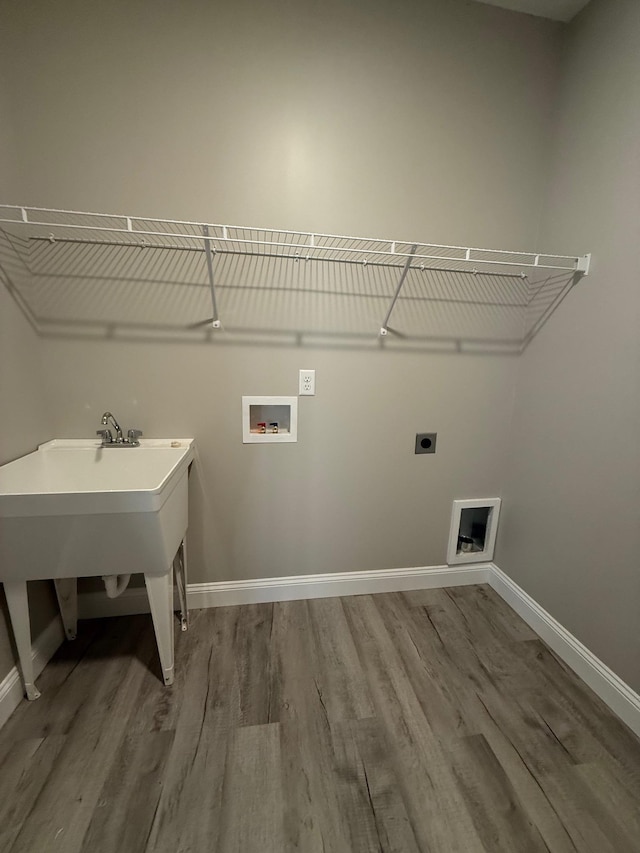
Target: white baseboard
[
  {"x": 621, "y": 699},
  {"x": 224, "y": 593},
  {"x": 94, "y": 605},
  {"x": 43, "y": 649}
]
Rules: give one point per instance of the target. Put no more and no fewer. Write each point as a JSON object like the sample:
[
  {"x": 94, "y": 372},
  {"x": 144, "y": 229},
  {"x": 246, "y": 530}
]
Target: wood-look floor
[{"x": 430, "y": 721}]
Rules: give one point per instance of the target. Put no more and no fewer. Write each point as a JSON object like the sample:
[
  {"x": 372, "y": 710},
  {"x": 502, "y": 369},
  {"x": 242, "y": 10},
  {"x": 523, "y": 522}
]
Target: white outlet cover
[{"x": 307, "y": 383}]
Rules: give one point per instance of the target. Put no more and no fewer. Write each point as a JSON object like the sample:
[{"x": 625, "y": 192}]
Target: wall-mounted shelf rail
[{"x": 37, "y": 226}]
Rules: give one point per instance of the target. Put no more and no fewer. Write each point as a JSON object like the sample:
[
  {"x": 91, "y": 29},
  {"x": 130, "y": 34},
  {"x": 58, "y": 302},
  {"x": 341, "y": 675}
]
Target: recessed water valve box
[
  {"x": 426, "y": 442},
  {"x": 269, "y": 419}
]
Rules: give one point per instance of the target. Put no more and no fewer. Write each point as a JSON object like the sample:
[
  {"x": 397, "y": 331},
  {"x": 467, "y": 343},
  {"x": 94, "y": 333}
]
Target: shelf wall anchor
[{"x": 583, "y": 264}]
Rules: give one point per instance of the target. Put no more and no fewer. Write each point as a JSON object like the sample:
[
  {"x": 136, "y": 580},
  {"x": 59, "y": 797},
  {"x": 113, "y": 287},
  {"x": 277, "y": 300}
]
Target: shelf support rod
[
  {"x": 215, "y": 322},
  {"x": 384, "y": 329}
]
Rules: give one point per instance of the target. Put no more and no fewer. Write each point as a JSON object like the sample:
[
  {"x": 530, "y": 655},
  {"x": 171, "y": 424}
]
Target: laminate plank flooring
[{"x": 432, "y": 721}]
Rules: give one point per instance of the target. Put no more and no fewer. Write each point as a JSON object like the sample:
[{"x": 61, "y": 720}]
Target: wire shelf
[{"x": 58, "y": 244}]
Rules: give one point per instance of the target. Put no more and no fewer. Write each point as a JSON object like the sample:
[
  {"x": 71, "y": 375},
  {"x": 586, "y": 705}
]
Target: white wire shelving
[{"x": 38, "y": 226}]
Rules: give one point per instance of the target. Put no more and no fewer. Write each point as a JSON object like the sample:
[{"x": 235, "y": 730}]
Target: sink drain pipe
[{"x": 115, "y": 585}]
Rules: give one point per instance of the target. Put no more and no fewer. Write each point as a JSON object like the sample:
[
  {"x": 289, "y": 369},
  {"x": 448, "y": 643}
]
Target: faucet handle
[
  {"x": 106, "y": 435},
  {"x": 133, "y": 435}
]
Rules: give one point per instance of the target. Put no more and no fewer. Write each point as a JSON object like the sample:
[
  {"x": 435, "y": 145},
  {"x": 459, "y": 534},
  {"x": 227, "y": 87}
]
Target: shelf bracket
[
  {"x": 384, "y": 329},
  {"x": 215, "y": 321}
]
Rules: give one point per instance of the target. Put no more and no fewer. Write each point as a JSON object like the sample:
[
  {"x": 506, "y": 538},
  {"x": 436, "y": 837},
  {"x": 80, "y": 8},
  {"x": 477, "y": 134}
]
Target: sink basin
[
  {"x": 66, "y": 477},
  {"x": 73, "y": 508}
]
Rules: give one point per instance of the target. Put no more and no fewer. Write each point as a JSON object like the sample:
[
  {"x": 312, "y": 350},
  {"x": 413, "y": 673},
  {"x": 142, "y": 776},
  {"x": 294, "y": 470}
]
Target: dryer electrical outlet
[{"x": 426, "y": 442}]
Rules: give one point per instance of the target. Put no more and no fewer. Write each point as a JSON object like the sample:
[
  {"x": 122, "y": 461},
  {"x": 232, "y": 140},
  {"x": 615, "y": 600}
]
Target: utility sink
[{"x": 74, "y": 508}]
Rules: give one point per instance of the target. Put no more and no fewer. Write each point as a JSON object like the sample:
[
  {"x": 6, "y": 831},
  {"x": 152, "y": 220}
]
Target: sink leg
[
  {"x": 180, "y": 567},
  {"x": 67, "y": 593},
  {"x": 160, "y": 592},
  {"x": 18, "y": 604}
]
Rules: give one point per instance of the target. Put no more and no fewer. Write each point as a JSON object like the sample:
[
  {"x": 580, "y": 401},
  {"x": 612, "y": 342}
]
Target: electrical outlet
[{"x": 307, "y": 383}]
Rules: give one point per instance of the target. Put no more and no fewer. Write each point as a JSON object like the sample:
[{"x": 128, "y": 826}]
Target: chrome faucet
[
  {"x": 132, "y": 439},
  {"x": 105, "y": 420}
]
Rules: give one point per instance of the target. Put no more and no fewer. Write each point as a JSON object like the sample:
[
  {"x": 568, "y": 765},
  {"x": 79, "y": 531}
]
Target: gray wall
[
  {"x": 571, "y": 525},
  {"x": 26, "y": 422},
  {"x": 428, "y": 120},
  {"x": 24, "y": 418},
  {"x": 425, "y": 120}
]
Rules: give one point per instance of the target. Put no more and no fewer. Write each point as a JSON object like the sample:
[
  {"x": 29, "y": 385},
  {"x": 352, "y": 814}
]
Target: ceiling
[{"x": 557, "y": 10}]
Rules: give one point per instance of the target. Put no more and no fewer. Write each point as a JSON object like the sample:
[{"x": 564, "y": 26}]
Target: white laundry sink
[{"x": 74, "y": 508}]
